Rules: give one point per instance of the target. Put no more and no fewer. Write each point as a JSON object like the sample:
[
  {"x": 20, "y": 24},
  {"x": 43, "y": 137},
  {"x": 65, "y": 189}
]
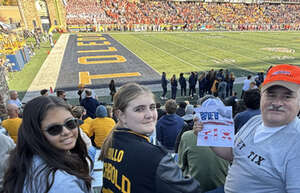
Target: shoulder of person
[{"x": 64, "y": 182}]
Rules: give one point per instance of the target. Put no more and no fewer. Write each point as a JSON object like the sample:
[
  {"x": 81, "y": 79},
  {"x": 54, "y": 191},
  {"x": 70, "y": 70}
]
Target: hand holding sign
[{"x": 217, "y": 126}]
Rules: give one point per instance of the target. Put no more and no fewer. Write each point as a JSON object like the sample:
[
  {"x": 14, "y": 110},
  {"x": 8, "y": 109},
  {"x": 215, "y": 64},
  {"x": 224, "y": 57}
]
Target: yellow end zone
[
  {"x": 89, "y": 35},
  {"x": 118, "y": 59},
  {"x": 91, "y": 38},
  {"x": 86, "y": 79},
  {"x": 110, "y": 49},
  {"x": 105, "y": 43}
]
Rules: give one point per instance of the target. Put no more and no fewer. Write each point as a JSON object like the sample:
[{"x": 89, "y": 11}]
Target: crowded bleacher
[{"x": 168, "y": 15}]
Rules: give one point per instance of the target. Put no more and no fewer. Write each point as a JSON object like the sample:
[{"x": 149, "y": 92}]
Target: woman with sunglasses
[
  {"x": 131, "y": 163},
  {"x": 50, "y": 155}
]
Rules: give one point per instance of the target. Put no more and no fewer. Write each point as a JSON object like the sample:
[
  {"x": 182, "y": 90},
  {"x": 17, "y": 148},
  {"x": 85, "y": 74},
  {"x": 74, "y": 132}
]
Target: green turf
[
  {"x": 240, "y": 52},
  {"x": 21, "y": 80}
]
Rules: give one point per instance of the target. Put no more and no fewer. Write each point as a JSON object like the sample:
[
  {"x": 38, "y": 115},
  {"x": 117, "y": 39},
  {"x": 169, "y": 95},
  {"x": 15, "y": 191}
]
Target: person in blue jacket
[
  {"x": 50, "y": 155},
  {"x": 182, "y": 82}
]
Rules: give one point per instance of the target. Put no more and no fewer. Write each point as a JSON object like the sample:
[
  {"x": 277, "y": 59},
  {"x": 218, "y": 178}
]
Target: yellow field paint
[
  {"x": 110, "y": 49},
  {"x": 89, "y": 35},
  {"x": 91, "y": 38},
  {"x": 105, "y": 43},
  {"x": 86, "y": 79},
  {"x": 103, "y": 59}
]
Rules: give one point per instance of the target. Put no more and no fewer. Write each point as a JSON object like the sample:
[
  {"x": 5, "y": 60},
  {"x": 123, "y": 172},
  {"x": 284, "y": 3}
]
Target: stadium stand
[{"x": 107, "y": 15}]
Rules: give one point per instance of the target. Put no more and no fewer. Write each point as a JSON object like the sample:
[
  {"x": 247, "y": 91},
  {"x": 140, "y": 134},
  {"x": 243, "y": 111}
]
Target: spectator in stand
[
  {"x": 188, "y": 124},
  {"x": 13, "y": 123},
  {"x": 61, "y": 94},
  {"x": 81, "y": 92},
  {"x": 181, "y": 109},
  {"x": 192, "y": 84},
  {"x": 230, "y": 83},
  {"x": 164, "y": 84},
  {"x": 232, "y": 101},
  {"x": 13, "y": 95},
  {"x": 246, "y": 85},
  {"x": 252, "y": 85},
  {"x": 78, "y": 112},
  {"x": 137, "y": 115},
  {"x": 169, "y": 126},
  {"x": 222, "y": 85},
  {"x": 90, "y": 104},
  {"x": 3, "y": 110},
  {"x": 101, "y": 126},
  {"x": 182, "y": 82},
  {"x": 265, "y": 156},
  {"x": 201, "y": 162},
  {"x": 7, "y": 145},
  {"x": 50, "y": 155},
  {"x": 251, "y": 100},
  {"x": 202, "y": 84},
  {"x": 112, "y": 89},
  {"x": 174, "y": 85},
  {"x": 44, "y": 92},
  {"x": 160, "y": 112}
]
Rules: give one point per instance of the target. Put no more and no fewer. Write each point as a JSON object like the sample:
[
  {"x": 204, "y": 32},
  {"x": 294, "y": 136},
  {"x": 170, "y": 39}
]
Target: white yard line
[
  {"x": 168, "y": 53},
  {"x": 135, "y": 55}
]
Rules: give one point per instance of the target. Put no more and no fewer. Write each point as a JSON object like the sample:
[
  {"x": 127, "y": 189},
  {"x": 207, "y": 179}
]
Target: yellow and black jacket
[{"x": 133, "y": 165}]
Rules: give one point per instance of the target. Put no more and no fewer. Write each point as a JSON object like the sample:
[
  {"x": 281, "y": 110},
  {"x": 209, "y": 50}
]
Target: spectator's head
[
  {"x": 280, "y": 100},
  {"x": 249, "y": 77},
  {"x": 189, "y": 113},
  {"x": 252, "y": 98},
  {"x": 47, "y": 121},
  {"x": 134, "y": 105},
  {"x": 88, "y": 92},
  {"x": 182, "y": 105},
  {"x": 78, "y": 112},
  {"x": 171, "y": 106},
  {"x": 135, "y": 108},
  {"x": 101, "y": 111},
  {"x": 12, "y": 110},
  {"x": 109, "y": 111},
  {"x": 47, "y": 124},
  {"x": 253, "y": 85},
  {"x": 44, "y": 92},
  {"x": 158, "y": 105},
  {"x": 181, "y": 74},
  {"x": 13, "y": 94},
  {"x": 61, "y": 94}
]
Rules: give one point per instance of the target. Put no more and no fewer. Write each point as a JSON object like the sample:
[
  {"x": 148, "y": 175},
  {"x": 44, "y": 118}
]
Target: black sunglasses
[{"x": 56, "y": 129}]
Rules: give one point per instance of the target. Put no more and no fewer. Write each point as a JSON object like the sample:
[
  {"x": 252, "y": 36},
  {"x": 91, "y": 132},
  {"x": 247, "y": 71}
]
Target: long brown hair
[{"x": 125, "y": 94}]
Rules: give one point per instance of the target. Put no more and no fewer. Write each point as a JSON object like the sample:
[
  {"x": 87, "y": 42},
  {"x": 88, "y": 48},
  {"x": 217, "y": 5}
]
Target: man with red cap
[{"x": 266, "y": 156}]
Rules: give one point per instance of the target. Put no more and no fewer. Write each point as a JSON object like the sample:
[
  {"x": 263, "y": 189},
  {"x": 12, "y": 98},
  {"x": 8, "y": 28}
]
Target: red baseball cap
[{"x": 285, "y": 75}]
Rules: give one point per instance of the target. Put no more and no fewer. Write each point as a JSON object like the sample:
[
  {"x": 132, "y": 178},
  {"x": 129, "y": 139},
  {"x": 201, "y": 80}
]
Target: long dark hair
[{"x": 31, "y": 142}]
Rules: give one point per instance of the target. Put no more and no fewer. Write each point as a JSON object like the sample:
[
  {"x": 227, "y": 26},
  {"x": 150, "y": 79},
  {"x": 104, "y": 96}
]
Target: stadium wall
[{"x": 41, "y": 13}]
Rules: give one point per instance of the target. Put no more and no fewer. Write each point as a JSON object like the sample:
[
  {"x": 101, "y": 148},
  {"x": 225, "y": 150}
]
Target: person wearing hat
[
  {"x": 101, "y": 125},
  {"x": 265, "y": 156}
]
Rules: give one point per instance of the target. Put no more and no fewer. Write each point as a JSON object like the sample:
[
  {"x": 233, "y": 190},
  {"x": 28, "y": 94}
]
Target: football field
[{"x": 240, "y": 52}]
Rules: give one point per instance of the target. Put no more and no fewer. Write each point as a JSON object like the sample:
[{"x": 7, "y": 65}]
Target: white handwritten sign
[{"x": 218, "y": 128}]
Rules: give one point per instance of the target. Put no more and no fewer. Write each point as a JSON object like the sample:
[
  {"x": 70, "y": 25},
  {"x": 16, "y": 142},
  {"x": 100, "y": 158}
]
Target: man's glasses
[{"x": 56, "y": 129}]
